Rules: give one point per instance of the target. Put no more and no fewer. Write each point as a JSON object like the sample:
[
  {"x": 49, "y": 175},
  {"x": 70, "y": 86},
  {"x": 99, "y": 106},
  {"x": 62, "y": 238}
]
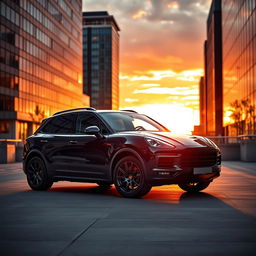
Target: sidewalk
[
  {"x": 247, "y": 167},
  {"x": 13, "y": 167}
]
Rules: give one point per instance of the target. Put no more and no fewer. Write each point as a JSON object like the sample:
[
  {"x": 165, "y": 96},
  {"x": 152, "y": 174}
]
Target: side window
[
  {"x": 63, "y": 124},
  {"x": 88, "y": 119}
]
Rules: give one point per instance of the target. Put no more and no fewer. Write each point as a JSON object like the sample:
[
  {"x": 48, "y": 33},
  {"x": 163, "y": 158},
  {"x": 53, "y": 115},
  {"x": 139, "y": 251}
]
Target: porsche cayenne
[{"x": 131, "y": 150}]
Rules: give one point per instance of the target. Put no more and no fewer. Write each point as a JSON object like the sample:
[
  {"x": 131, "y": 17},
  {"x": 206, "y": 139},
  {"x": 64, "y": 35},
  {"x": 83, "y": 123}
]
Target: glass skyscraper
[
  {"x": 40, "y": 62},
  {"x": 101, "y": 59},
  {"x": 239, "y": 66},
  {"x": 230, "y": 68},
  {"x": 213, "y": 71}
]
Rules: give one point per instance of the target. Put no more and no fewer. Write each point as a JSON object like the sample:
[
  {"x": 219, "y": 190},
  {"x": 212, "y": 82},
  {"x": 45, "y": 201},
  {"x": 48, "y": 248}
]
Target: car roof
[
  {"x": 89, "y": 109},
  {"x": 93, "y": 110}
]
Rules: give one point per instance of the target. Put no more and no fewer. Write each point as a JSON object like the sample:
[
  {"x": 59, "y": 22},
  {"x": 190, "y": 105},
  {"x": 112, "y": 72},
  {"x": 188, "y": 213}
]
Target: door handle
[
  {"x": 73, "y": 141},
  {"x": 44, "y": 141}
]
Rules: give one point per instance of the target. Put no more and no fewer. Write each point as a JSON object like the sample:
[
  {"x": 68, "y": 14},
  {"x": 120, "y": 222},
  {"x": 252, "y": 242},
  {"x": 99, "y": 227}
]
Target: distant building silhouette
[
  {"x": 201, "y": 128},
  {"x": 101, "y": 59},
  {"x": 40, "y": 62},
  {"x": 202, "y": 105}
]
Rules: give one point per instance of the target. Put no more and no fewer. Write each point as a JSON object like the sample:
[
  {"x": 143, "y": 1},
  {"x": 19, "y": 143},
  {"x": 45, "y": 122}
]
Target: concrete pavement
[{"x": 82, "y": 219}]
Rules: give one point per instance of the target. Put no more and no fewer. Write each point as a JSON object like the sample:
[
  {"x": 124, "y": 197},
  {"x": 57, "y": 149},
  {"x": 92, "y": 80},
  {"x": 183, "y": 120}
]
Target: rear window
[{"x": 63, "y": 124}]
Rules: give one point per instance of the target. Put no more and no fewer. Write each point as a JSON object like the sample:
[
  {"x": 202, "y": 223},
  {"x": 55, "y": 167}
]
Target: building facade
[
  {"x": 213, "y": 72},
  {"x": 101, "y": 59},
  {"x": 239, "y": 66},
  {"x": 40, "y": 62},
  {"x": 230, "y": 68}
]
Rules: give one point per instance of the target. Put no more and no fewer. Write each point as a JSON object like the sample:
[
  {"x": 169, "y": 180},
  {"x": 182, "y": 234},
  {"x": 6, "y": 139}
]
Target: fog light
[{"x": 164, "y": 173}]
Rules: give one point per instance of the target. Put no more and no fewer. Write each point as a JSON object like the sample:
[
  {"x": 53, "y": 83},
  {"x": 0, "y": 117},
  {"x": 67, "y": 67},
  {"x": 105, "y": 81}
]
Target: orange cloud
[
  {"x": 139, "y": 14},
  {"x": 130, "y": 100},
  {"x": 150, "y": 85},
  {"x": 186, "y": 75},
  {"x": 161, "y": 53},
  {"x": 190, "y": 75},
  {"x": 154, "y": 75},
  {"x": 164, "y": 90},
  {"x": 173, "y": 5}
]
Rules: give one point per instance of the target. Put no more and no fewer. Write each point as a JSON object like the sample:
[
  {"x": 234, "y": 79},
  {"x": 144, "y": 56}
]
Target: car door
[
  {"x": 55, "y": 142},
  {"x": 88, "y": 153}
]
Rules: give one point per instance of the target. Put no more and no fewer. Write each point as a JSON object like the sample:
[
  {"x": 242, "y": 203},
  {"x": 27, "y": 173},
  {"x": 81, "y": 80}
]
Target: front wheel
[
  {"x": 194, "y": 186},
  {"x": 129, "y": 178},
  {"x": 37, "y": 175}
]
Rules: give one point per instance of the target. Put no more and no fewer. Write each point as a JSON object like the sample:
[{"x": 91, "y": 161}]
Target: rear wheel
[
  {"x": 37, "y": 175},
  {"x": 194, "y": 186},
  {"x": 129, "y": 178}
]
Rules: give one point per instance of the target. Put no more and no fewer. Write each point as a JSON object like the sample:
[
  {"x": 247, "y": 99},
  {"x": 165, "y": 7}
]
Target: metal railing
[
  {"x": 11, "y": 140},
  {"x": 220, "y": 140}
]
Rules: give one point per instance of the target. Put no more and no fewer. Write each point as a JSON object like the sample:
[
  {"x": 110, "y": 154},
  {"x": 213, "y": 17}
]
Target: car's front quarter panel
[
  {"x": 132, "y": 144},
  {"x": 169, "y": 165},
  {"x": 120, "y": 144}
]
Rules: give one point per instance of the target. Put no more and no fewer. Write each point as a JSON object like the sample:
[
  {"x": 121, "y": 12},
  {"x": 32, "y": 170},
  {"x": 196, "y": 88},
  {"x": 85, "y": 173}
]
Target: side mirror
[{"x": 93, "y": 130}]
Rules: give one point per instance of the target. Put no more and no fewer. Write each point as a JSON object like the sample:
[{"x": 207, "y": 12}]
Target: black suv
[{"x": 128, "y": 149}]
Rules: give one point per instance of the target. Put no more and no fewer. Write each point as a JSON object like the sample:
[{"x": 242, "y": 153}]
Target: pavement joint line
[
  {"x": 77, "y": 237},
  {"x": 242, "y": 170}
]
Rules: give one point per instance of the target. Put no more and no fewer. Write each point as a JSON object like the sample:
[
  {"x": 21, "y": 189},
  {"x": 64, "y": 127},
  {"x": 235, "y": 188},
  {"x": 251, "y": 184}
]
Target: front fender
[{"x": 121, "y": 153}]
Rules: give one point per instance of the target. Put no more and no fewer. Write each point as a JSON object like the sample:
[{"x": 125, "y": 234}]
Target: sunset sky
[{"x": 161, "y": 56}]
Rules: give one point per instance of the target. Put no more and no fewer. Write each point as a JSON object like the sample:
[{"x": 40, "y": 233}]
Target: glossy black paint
[{"x": 80, "y": 156}]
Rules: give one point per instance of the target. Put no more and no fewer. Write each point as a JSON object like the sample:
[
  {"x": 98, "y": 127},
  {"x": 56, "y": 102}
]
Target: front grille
[
  {"x": 198, "y": 157},
  {"x": 165, "y": 162}
]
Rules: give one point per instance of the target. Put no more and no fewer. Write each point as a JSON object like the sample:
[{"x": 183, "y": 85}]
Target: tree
[
  {"x": 38, "y": 115},
  {"x": 244, "y": 116}
]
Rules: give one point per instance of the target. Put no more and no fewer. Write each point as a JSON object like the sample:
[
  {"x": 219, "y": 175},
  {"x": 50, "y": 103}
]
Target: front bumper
[
  {"x": 184, "y": 165},
  {"x": 176, "y": 175}
]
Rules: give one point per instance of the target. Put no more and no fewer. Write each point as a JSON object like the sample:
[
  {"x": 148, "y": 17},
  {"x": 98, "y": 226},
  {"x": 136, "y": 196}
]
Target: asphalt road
[{"x": 81, "y": 219}]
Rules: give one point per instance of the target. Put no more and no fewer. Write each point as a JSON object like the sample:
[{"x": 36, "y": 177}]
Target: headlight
[
  {"x": 211, "y": 142},
  {"x": 158, "y": 143}
]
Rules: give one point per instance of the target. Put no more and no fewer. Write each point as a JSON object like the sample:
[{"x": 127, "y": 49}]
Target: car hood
[{"x": 185, "y": 140}]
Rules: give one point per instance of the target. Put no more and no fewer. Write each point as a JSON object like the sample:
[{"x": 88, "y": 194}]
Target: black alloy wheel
[
  {"x": 36, "y": 174},
  {"x": 194, "y": 186},
  {"x": 129, "y": 178}
]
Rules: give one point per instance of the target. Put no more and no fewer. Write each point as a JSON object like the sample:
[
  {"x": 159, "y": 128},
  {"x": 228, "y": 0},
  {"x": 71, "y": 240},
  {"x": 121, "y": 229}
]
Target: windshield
[{"x": 131, "y": 122}]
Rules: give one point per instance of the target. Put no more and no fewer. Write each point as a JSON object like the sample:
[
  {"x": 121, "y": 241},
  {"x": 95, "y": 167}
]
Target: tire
[
  {"x": 104, "y": 185},
  {"x": 129, "y": 178},
  {"x": 194, "y": 186},
  {"x": 36, "y": 172}
]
